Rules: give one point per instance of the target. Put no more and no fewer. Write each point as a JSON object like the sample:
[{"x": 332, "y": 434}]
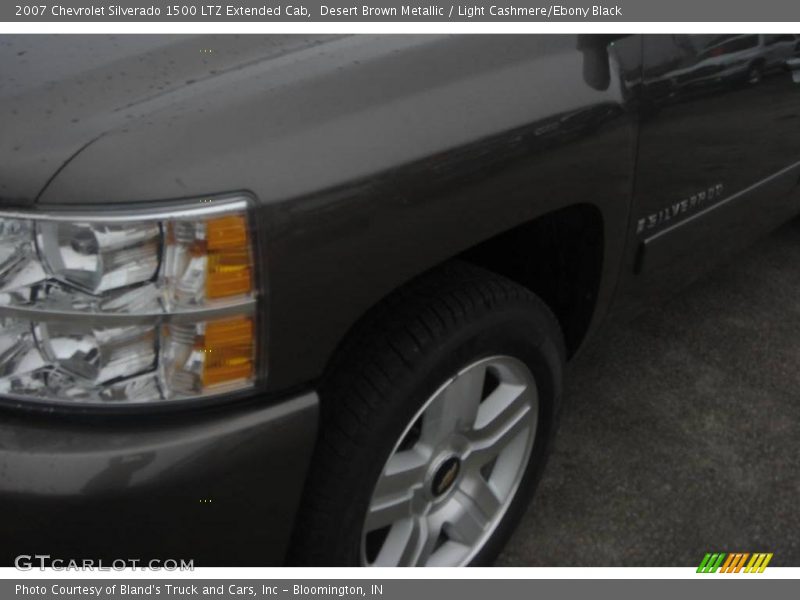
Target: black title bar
[{"x": 393, "y": 11}]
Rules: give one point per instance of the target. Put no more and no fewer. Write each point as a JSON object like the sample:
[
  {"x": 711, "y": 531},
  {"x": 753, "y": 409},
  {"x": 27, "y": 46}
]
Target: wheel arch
[{"x": 559, "y": 256}]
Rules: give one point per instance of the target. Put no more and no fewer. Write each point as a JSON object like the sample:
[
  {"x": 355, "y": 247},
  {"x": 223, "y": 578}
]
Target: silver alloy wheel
[{"x": 455, "y": 469}]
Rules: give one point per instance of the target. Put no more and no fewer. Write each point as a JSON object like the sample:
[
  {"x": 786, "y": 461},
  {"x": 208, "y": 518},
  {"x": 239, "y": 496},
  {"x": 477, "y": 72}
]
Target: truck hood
[{"x": 61, "y": 93}]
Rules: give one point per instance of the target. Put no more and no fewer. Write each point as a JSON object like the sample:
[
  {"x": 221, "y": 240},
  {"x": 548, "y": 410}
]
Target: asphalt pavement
[{"x": 681, "y": 429}]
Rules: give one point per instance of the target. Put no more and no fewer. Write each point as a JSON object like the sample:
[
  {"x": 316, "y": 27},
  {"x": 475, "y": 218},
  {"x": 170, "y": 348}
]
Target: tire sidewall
[{"x": 514, "y": 331}]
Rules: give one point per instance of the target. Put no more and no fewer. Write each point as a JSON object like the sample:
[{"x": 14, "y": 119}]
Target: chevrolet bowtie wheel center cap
[{"x": 445, "y": 476}]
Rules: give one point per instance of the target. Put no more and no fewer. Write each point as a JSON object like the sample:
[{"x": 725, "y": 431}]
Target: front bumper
[{"x": 218, "y": 488}]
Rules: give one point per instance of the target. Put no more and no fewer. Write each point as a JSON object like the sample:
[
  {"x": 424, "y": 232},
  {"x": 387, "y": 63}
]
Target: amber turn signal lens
[
  {"x": 227, "y": 233},
  {"x": 229, "y": 264},
  {"x": 229, "y": 349}
]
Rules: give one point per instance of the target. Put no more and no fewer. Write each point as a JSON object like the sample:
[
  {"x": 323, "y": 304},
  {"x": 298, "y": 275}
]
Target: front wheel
[{"x": 437, "y": 420}]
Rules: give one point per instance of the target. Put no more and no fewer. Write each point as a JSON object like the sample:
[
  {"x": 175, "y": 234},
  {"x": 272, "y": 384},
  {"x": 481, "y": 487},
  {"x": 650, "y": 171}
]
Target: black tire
[{"x": 398, "y": 356}]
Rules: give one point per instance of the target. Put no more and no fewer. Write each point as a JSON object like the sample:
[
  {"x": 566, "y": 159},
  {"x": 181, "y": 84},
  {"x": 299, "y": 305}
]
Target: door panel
[{"x": 719, "y": 155}]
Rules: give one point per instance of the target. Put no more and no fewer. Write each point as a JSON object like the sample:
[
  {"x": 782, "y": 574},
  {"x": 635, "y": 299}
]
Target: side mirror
[{"x": 596, "y": 62}]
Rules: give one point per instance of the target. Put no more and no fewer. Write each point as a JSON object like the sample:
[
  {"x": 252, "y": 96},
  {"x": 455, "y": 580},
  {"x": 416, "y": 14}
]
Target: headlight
[{"x": 127, "y": 308}]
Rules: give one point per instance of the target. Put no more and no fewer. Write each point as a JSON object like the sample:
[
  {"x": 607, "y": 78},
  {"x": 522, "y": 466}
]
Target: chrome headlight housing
[{"x": 135, "y": 307}]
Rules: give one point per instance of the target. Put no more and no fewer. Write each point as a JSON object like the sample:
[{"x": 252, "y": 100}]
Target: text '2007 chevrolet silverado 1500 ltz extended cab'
[{"x": 280, "y": 298}]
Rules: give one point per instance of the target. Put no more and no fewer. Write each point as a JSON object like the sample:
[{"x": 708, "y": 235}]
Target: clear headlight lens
[
  {"x": 96, "y": 257},
  {"x": 121, "y": 309}
]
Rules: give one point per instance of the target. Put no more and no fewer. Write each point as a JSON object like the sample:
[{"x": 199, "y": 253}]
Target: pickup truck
[{"x": 309, "y": 300}]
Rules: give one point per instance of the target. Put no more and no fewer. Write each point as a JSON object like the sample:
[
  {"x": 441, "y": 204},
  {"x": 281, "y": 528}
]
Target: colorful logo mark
[{"x": 734, "y": 562}]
